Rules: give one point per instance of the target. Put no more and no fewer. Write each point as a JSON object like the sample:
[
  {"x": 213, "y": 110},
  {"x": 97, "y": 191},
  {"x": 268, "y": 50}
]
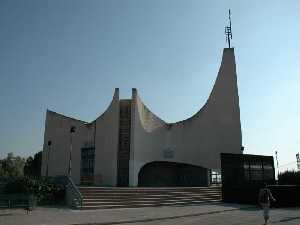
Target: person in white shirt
[{"x": 264, "y": 199}]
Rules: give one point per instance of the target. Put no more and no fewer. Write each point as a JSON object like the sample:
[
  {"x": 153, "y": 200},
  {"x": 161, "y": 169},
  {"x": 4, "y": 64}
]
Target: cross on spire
[{"x": 228, "y": 32}]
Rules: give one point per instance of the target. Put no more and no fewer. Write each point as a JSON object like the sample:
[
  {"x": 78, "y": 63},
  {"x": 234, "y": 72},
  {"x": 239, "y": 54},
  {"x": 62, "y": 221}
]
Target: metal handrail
[{"x": 75, "y": 190}]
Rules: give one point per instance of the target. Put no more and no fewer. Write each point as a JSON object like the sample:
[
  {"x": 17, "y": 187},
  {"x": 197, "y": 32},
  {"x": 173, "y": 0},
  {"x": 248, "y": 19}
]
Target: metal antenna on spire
[{"x": 228, "y": 32}]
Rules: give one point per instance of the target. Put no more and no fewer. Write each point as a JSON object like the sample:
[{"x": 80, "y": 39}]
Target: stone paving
[{"x": 207, "y": 214}]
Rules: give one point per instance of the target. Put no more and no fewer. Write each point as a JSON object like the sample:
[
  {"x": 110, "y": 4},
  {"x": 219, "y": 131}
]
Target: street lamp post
[
  {"x": 48, "y": 157},
  {"x": 72, "y": 130},
  {"x": 298, "y": 161},
  {"x": 276, "y": 154}
]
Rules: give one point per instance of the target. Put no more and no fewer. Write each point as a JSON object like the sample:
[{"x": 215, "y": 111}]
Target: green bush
[
  {"x": 45, "y": 190},
  {"x": 15, "y": 186},
  {"x": 289, "y": 177}
]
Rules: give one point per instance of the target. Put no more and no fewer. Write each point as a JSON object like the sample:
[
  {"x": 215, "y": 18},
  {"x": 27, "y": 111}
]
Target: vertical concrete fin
[
  {"x": 132, "y": 133},
  {"x": 226, "y": 81},
  {"x": 224, "y": 99},
  {"x": 116, "y": 94},
  {"x": 106, "y": 144}
]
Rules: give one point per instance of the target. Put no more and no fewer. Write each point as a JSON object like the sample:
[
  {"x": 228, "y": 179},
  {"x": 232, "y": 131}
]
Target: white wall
[
  {"x": 57, "y": 129},
  {"x": 103, "y": 132},
  {"x": 107, "y": 142},
  {"x": 198, "y": 140}
]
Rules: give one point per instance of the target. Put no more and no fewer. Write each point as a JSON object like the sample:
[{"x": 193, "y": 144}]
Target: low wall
[
  {"x": 242, "y": 194},
  {"x": 285, "y": 195}
]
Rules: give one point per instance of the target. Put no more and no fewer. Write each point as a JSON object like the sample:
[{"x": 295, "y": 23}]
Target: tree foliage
[
  {"x": 32, "y": 166},
  {"x": 16, "y": 166},
  {"x": 12, "y": 166},
  {"x": 289, "y": 177},
  {"x": 46, "y": 190}
]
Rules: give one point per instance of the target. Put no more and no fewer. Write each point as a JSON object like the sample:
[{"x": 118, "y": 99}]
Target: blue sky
[{"x": 69, "y": 56}]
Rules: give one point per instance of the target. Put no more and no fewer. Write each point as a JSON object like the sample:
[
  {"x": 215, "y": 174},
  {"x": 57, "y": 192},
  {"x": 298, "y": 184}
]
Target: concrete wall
[
  {"x": 198, "y": 140},
  {"x": 57, "y": 129},
  {"x": 107, "y": 139},
  {"x": 101, "y": 133}
]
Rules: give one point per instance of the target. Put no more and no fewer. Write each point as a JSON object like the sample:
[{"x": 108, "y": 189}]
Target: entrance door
[{"x": 87, "y": 166}]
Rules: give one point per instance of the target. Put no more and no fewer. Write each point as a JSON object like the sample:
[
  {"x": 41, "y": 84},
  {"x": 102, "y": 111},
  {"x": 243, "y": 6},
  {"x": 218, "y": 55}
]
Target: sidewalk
[{"x": 206, "y": 214}]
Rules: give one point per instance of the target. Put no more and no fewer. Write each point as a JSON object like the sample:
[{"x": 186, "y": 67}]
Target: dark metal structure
[
  {"x": 247, "y": 169},
  {"x": 243, "y": 175},
  {"x": 228, "y": 31}
]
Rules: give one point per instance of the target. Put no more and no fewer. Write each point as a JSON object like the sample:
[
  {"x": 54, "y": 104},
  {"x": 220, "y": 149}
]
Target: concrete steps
[{"x": 105, "y": 198}]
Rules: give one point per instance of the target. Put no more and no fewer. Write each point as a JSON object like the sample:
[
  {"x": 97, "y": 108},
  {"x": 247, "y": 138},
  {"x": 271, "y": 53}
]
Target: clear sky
[{"x": 69, "y": 56}]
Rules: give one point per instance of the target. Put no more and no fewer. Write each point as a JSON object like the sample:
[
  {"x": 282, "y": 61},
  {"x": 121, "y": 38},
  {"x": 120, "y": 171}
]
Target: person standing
[{"x": 264, "y": 199}]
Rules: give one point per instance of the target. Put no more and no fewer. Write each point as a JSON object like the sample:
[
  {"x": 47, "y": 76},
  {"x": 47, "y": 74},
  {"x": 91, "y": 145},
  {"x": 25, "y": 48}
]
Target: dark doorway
[
  {"x": 87, "y": 166},
  {"x": 171, "y": 174}
]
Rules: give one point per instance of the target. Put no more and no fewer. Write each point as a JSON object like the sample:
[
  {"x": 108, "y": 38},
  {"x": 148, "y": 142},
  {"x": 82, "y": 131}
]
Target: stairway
[{"x": 115, "y": 197}]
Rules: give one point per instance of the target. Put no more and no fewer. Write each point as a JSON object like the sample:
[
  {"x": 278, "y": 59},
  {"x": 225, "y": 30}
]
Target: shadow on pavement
[
  {"x": 287, "y": 219},
  {"x": 164, "y": 218},
  {"x": 5, "y": 214}
]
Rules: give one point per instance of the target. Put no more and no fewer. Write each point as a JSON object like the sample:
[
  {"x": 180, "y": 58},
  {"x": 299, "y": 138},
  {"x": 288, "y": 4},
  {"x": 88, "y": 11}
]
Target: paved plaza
[{"x": 208, "y": 214}]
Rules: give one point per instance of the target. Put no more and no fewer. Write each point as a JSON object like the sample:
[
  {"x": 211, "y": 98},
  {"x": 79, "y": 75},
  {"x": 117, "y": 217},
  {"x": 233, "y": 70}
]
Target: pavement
[{"x": 206, "y": 214}]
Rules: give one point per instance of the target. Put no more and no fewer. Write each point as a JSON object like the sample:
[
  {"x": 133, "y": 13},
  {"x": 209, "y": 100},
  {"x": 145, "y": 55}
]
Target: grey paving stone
[{"x": 207, "y": 214}]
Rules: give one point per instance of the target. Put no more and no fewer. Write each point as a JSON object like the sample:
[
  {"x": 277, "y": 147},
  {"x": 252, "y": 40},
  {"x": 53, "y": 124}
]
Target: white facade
[
  {"x": 198, "y": 141},
  {"x": 103, "y": 133}
]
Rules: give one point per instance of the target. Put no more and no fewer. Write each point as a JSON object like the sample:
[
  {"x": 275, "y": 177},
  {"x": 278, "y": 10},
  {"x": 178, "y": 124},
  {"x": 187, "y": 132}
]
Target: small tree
[
  {"x": 32, "y": 166},
  {"x": 289, "y": 177},
  {"x": 28, "y": 168},
  {"x": 12, "y": 166}
]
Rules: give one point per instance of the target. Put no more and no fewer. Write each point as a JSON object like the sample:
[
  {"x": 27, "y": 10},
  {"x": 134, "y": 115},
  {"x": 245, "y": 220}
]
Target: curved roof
[
  {"x": 228, "y": 62},
  {"x": 115, "y": 97}
]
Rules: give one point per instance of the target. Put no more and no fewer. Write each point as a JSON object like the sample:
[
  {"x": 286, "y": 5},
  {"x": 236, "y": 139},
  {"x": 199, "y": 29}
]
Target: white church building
[{"x": 128, "y": 145}]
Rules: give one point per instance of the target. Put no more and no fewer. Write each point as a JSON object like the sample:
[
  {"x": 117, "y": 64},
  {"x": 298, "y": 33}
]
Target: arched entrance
[{"x": 172, "y": 174}]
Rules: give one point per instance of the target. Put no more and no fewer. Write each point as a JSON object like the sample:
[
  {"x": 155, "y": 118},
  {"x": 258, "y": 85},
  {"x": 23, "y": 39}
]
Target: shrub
[
  {"x": 45, "y": 190},
  {"x": 16, "y": 186},
  {"x": 289, "y": 177}
]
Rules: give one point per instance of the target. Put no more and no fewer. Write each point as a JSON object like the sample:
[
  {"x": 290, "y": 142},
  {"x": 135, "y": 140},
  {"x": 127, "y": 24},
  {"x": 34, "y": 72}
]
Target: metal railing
[
  {"x": 18, "y": 201},
  {"x": 73, "y": 196}
]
